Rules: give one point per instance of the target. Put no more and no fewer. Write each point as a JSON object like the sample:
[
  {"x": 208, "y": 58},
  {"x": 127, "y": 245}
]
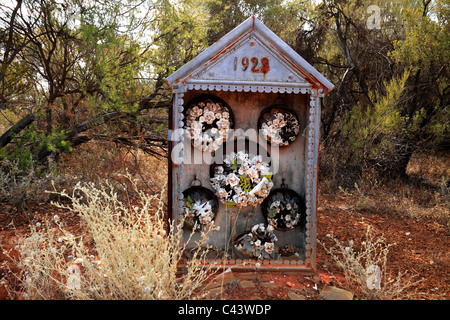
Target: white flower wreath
[
  {"x": 283, "y": 211},
  {"x": 243, "y": 180},
  {"x": 198, "y": 213},
  {"x": 280, "y": 128},
  {"x": 207, "y": 125},
  {"x": 258, "y": 243}
]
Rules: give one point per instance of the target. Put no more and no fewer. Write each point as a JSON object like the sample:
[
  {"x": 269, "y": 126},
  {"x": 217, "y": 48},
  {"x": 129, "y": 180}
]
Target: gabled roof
[{"x": 250, "y": 57}]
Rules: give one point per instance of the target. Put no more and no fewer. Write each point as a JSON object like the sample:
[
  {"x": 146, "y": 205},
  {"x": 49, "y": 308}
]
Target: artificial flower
[
  {"x": 198, "y": 212},
  {"x": 284, "y": 211},
  {"x": 207, "y": 124},
  {"x": 258, "y": 243},
  {"x": 280, "y": 127},
  {"x": 242, "y": 180}
]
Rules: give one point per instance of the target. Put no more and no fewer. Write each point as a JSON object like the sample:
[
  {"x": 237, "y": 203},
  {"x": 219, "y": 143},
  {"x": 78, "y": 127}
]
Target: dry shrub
[
  {"x": 99, "y": 160},
  {"x": 417, "y": 196},
  {"x": 365, "y": 269},
  {"x": 21, "y": 188},
  {"x": 433, "y": 166},
  {"x": 411, "y": 197},
  {"x": 336, "y": 171},
  {"x": 131, "y": 255}
]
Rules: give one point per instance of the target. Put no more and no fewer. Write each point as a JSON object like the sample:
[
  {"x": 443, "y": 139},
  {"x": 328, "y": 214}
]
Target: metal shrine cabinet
[{"x": 249, "y": 89}]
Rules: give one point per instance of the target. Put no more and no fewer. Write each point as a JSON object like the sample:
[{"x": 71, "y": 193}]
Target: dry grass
[
  {"x": 99, "y": 160},
  {"x": 432, "y": 166},
  {"x": 365, "y": 268},
  {"x": 21, "y": 189},
  {"x": 424, "y": 194},
  {"x": 126, "y": 252},
  {"x": 433, "y": 170}
]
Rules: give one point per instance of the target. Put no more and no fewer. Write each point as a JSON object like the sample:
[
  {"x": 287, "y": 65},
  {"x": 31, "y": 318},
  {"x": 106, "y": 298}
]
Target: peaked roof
[{"x": 250, "y": 57}]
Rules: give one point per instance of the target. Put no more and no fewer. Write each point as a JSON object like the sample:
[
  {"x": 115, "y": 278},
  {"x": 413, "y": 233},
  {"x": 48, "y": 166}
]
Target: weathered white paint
[{"x": 224, "y": 70}]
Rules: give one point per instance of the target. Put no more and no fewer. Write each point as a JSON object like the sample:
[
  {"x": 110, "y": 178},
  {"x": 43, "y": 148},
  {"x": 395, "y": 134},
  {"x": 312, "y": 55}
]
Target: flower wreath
[
  {"x": 279, "y": 126},
  {"x": 207, "y": 124},
  {"x": 199, "y": 209},
  {"x": 283, "y": 210},
  {"x": 258, "y": 243},
  {"x": 242, "y": 180}
]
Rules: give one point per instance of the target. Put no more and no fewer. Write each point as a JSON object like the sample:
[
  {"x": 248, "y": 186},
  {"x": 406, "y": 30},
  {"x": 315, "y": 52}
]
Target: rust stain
[
  {"x": 227, "y": 48},
  {"x": 258, "y": 66},
  {"x": 300, "y": 267},
  {"x": 167, "y": 82},
  {"x": 310, "y": 78},
  {"x": 254, "y": 61},
  {"x": 265, "y": 66},
  {"x": 219, "y": 54}
]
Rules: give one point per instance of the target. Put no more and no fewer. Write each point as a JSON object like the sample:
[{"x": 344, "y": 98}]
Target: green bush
[{"x": 380, "y": 136}]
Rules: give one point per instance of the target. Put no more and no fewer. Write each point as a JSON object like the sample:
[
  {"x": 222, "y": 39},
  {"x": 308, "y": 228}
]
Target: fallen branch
[{"x": 15, "y": 129}]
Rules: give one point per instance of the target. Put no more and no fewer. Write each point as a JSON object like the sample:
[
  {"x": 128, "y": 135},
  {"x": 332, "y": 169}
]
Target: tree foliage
[
  {"x": 79, "y": 66},
  {"x": 376, "y": 117},
  {"x": 380, "y": 136},
  {"x": 95, "y": 70}
]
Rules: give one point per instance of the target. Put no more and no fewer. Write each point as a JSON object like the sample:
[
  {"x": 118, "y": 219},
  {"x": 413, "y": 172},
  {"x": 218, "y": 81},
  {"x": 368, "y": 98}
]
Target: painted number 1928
[{"x": 256, "y": 65}]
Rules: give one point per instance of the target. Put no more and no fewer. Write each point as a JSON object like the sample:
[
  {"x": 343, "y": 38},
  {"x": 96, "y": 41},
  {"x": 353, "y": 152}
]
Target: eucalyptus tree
[
  {"x": 73, "y": 71},
  {"x": 76, "y": 66},
  {"x": 389, "y": 62}
]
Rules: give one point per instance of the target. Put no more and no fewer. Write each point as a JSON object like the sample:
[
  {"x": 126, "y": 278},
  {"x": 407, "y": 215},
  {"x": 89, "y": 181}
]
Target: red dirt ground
[{"x": 421, "y": 247}]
